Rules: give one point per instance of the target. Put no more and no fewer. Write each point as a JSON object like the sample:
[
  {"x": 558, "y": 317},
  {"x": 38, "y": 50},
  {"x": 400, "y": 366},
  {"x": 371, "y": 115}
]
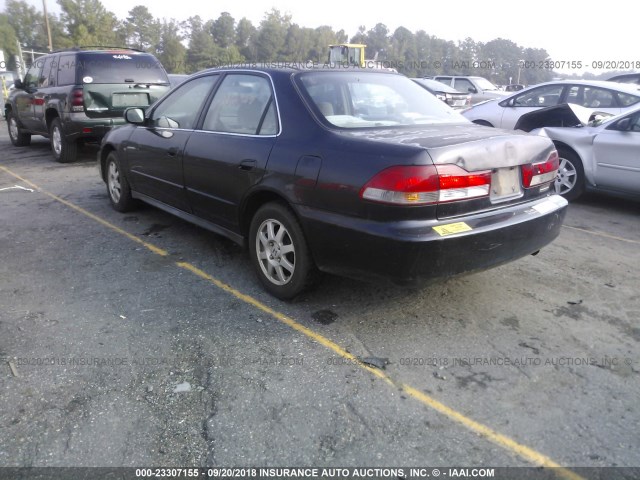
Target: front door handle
[{"x": 173, "y": 151}]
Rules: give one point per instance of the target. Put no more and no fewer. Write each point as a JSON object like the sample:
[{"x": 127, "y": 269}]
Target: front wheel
[
  {"x": 18, "y": 138},
  {"x": 279, "y": 252},
  {"x": 64, "y": 150},
  {"x": 570, "y": 179},
  {"x": 118, "y": 186}
]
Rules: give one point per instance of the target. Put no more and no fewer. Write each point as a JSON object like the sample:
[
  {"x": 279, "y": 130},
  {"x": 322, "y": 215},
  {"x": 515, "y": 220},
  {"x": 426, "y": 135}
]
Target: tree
[
  {"x": 28, "y": 25},
  {"x": 271, "y": 37},
  {"x": 223, "y": 30},
  {"x": 171, "y": 52},
  {"x": 403, "y": 52},
  {"x": 245, "y": 31},
  {"x": 8, "y": 42},
  {"x": 89, "y": 23},
  {"x": 142, "y": 29}
]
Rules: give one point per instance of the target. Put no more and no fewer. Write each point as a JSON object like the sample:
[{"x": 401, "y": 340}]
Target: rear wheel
[
  {"x": 279, "y": 252},
  {"x": 118, "y": 186},
  {"x": 570, "y": 179},
  {"x": 18, "y": 138},
  {"x": 64, "y": 150}
]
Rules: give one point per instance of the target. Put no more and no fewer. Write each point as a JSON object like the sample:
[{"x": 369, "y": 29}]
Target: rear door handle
[
  {"x": 247, "y": 164},
  {"x": 173, "y": 151}
]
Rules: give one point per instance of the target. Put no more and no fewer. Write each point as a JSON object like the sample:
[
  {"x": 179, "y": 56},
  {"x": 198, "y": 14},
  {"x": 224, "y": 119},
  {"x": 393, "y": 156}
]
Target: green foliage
[
  {"x": 89, "y": 23},
  {"x": 189, "y": 46}
]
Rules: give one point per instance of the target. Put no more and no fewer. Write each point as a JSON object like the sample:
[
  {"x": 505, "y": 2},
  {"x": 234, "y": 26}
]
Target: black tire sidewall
[
  {"x": 22, "y": 139},
  {"x": 304, "y": 272},
  {"x": 125, "y": 203},
  {"x": 68, "y": 149}
]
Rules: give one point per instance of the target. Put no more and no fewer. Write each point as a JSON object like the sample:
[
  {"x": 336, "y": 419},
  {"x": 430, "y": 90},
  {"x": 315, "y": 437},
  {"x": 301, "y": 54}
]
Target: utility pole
[{"x": 46, "y": 21}]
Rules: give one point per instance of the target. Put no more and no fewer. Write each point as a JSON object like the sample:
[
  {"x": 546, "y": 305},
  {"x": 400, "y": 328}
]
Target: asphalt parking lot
[{"x": 140, "y": 340}]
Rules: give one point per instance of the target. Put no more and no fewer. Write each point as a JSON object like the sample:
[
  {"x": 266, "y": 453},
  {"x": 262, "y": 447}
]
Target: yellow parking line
[
  {"x": 503, "y": 441},
  {"x": 602, "y": 234},
  {"x": 81, "y": 210}
]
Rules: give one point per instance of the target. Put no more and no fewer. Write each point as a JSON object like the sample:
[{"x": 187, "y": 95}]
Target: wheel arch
[
  {"x": 49, "y": 115},
  {"x": 254, "y": 201},
  {"x": 104, "y": 153}
]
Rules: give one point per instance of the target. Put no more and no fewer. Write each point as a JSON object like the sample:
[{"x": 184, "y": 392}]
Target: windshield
[
  {"x": 368, "y": 99},
  {"x": 121, "y": 67},
  {"x": 484, "y": 84}
]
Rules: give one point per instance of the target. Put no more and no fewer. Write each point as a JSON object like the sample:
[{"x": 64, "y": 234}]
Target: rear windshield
[
  {"x": 367, "y": 99},
  {"x": 120, "y": 67}
]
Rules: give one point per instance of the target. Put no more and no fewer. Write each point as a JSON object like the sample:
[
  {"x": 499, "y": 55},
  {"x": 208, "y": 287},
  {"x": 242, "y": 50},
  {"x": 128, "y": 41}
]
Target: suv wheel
[
  {"x": 18, "y": 138},
  {"x": 118, "y": 186},
  {"x": 64, "y": 150},
  {"x": 279, "y": 252}
]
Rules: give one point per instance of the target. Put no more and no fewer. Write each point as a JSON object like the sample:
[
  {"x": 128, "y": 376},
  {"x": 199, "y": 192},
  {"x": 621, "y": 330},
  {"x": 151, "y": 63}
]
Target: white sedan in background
[
  {"x": 603, "y": 96},
  {"x": 601, "y": 156}
]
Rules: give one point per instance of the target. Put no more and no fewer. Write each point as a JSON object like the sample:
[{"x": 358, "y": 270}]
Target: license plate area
[
  {"x": 130, "y": 100},
  {"x": 505, "y": 184}
]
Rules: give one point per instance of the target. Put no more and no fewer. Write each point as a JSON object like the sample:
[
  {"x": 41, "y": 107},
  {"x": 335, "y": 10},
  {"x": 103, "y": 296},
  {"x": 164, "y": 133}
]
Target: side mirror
[
  {"x": 18, "y": 84},
  {"x": 134, "y": 116},
  {"x": 472, "y": 90},
  {"x": 623, "y": 125}
]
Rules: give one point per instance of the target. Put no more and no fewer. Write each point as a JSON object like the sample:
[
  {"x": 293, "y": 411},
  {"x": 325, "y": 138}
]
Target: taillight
[
  {"x": 534, "y": 174},
  {"x": 429, "y": 184},
  {"x": 77, "y": 100}
]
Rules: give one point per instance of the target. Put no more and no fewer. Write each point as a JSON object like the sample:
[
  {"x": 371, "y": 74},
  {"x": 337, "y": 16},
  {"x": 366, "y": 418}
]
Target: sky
[{"x": 568, "y": 30}]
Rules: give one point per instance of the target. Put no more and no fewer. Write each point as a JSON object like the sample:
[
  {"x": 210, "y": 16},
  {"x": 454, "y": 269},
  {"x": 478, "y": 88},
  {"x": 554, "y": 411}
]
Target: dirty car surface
[
  {"x": 357, "y": 173},
  {"x": 601, "y": 154}
]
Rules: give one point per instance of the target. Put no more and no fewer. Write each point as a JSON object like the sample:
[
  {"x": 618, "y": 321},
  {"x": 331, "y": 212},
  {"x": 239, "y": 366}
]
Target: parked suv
[
  {"x": 78, "y": 95},
  {"x": 480, "y": 88}
]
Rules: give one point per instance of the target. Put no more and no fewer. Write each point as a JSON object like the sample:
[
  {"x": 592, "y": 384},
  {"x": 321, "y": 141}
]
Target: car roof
[{"x": 294, "y": 67}]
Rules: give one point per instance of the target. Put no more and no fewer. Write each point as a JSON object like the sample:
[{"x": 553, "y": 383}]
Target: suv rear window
[{"x": 120, "y": 67}]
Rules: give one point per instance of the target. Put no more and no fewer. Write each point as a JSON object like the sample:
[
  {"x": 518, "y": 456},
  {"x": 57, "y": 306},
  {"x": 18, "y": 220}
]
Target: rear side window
[
  {"x": 120, "y": 67},
  {"x": 242, "y": 104},
  {"x": 67, "y": 70},
  {"x": 627, "y": 100}
]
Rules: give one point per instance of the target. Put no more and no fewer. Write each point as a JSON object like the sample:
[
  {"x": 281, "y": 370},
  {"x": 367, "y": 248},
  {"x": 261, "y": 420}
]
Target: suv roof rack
[{"x": 97, "y": 47}]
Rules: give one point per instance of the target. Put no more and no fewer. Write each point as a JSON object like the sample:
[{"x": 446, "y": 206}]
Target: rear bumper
[
  {"x": 414, "y": 252},
  {"x": 78, "y": 125}
]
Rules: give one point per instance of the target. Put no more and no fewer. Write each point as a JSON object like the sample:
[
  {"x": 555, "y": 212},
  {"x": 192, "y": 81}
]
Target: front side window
[
  {"x": 33, "y": 75},
  {"x": 181, "y": 108},
  {"x": 243, "y": 104},
  {"x": 46, "y": 78},
  {"x": 372, "y": 99},
  {"x": 540, "y": 97},
  {"x": 463, "y": 85}
]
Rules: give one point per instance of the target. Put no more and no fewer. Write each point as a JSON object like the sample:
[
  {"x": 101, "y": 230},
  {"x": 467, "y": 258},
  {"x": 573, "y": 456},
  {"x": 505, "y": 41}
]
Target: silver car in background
[
  {"x": 602, "y": 156},
  {"x": 603, "y": 96}
]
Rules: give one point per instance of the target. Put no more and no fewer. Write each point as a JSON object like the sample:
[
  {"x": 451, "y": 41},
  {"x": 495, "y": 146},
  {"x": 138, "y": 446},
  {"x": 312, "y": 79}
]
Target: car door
[
  {"x": 228, "y": 154},
  {"x": 46, "y": 82},
  {"x": 616, "y": 151},
  {"x": 155, "y": 152},
  {"x": 24, "y": 98},
  {"x": 533, "y": 99}
]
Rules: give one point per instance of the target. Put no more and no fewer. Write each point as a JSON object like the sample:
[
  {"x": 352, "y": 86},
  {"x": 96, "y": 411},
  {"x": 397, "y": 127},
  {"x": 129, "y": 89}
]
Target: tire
[
  {"x": 484, "y": 123},
  {"x": 18, "y": 138},
  {"x": 64, "y": 150},
  {"x": 570, "y": 179},
  {"x": 117, "y": 185},
  {"x": 279, "y": 252}
]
